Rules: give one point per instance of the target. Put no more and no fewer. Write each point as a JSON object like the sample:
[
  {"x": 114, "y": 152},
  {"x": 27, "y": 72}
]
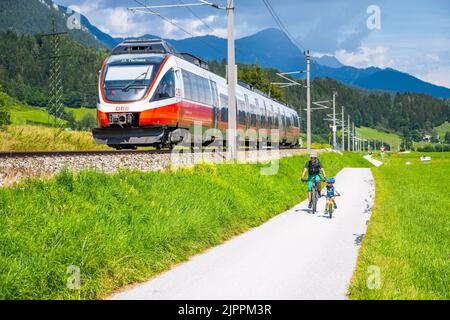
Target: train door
[{"x": 215, "y": 105}]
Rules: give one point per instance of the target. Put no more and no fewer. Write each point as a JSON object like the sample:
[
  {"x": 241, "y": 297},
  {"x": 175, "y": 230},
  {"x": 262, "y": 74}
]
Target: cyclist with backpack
[{"x": 314, "y": 168}]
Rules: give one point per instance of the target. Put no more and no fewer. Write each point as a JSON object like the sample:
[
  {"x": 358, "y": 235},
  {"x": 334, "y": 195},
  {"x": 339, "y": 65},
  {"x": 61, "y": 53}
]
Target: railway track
[
  {"x": 27, "y": 154},
  {"x": 36, "y": 154}
]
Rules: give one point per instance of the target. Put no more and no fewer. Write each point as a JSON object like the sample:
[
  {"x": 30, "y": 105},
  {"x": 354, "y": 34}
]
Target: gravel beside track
[{"x": 16, "y": 166}]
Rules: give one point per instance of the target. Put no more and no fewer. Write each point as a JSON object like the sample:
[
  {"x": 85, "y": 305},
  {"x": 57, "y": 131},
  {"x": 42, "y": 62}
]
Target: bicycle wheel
[
  {"x": 330, "y": 209},
  {"x": 314, "y": 201}
]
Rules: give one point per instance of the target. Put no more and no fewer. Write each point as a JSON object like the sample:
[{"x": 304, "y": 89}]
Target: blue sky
[{"x": 414, "y": 36}]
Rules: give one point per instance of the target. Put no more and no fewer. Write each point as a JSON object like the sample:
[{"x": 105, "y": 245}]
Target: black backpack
[{"x": 314, "y": 168}]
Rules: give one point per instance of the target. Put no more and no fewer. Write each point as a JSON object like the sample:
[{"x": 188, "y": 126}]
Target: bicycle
[
  {"x": 315, "y": 195},
  {"x": 329, "y": 208}
]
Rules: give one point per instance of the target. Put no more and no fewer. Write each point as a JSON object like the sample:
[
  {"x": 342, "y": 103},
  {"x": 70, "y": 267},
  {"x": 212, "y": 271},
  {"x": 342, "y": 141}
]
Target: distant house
[{"x": 430, "y": 138}]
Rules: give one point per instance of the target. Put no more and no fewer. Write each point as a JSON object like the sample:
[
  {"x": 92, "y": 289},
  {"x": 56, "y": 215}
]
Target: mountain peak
[{"x": 328, "y": 61}]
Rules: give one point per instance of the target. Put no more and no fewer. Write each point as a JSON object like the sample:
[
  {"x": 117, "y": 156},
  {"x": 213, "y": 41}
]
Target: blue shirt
[{"x": 330, "y": 191}]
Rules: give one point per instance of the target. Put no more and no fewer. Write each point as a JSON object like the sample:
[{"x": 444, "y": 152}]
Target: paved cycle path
[
  {"x": 295, "y": 255},
  {"x": 375, "y": 162}
]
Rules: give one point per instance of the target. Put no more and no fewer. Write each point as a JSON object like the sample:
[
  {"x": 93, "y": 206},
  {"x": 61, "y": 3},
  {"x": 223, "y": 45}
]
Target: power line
[
  {"x": 200, "y": 19},
  {"x": 176, "y": 25},
  {"x": 206, "y": 24},
  {"x": 281, "y": 25}
]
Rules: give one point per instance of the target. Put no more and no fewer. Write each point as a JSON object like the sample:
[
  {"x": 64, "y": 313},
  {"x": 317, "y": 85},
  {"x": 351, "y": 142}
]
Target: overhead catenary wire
[
  {"x": 176, "y": 25},
  {"x": 206, "y": 24},
  {"x": 198, "y": 18},
  {"x": 282, "y": 26}
]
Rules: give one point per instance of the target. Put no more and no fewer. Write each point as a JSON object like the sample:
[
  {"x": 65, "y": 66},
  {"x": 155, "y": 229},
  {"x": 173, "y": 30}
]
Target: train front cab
[{"x": 148, "y": 121}]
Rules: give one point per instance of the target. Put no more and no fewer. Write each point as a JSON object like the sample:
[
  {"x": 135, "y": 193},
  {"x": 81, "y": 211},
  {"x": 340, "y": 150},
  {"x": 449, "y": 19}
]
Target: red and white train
[{"x": 147, "y": 91}]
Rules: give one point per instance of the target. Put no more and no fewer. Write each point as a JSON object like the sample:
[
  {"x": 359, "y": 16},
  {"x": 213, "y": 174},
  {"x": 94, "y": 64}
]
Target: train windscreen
[{"x": 127, "y": 82}]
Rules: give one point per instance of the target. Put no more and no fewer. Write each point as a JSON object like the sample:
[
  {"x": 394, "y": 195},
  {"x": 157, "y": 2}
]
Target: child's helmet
[{"x": 330, "y": 180}]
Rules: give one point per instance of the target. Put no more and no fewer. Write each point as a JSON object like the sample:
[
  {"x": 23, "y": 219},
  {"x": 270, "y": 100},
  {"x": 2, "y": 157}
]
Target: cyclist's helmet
[
  {"x": 313, "y": 155},
  {"x": 331, "y": 180}
]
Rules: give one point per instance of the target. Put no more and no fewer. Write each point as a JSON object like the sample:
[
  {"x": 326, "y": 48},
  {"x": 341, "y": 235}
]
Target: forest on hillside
[
  {"x": 25, "y": 70},
  {"x": 409, "y": 114}
]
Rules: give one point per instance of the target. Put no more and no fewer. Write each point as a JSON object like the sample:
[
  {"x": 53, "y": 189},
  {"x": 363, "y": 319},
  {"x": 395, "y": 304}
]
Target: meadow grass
[
  {"x": 374, "y": 134},
  {"x": 408, "y": 237},
  {"x": 126, "y": 227},
  {"x": 37, "y": 138},
  {"x": 22, "y": 115},
  {"x": 79, "y": 113}
]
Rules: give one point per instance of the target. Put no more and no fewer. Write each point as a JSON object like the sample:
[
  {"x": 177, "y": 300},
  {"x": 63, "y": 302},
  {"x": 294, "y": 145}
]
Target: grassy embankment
[
  {"x": 408, "y": 237},
  {"x": 30, "y": 131},
  {"x": 37, "y": 138},
  {"x": 124, "y": 228}
]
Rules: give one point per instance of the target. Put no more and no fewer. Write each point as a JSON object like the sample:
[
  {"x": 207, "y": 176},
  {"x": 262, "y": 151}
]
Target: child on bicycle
[{"x": 331, "y": 192}]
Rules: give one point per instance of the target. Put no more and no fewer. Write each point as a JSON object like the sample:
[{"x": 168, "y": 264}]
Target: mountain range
[{"x": 268, "y": 48}]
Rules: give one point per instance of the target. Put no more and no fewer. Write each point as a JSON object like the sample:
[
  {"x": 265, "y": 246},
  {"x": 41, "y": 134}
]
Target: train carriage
[{"x": 150, "y": 95}]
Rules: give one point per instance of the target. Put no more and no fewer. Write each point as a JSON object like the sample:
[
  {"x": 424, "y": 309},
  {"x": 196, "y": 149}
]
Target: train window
[
  {"x": 241, "y": 111},
  {"x": 201, "y": 89},
  {"x": 125, "y": 82},
  {"x": 253, "y": 115},
  {"x": 224, "y": 107},
  {"x": 166, "y": 87},
  {"x": 187, "y": 83},
  {"x": 207, "y": 96},
  {"x": 215, "y": 98},
  {"x": 196, "y": 90}
]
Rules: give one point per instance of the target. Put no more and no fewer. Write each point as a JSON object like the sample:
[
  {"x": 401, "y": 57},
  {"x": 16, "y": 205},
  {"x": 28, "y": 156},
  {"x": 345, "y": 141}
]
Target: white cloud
[
  {"x": 88, "y": 7},
  {"x": 193, "y": 26},
  {"x": 440, "y": 77},
  {"x": 118, "y": 22},
  {"x": 366, "y": 57}
]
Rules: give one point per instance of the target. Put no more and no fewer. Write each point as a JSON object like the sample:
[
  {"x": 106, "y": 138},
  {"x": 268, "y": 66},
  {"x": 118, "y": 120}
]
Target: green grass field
[
  {"x": 408, "y": 237},
  {"x": 80, "y": 112},
  {"x": 38, "y": 138},
  {"x": 22, "y": 115},
  {"x": 374, "y": 134},
  {"x": 124, "y": 228}
]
